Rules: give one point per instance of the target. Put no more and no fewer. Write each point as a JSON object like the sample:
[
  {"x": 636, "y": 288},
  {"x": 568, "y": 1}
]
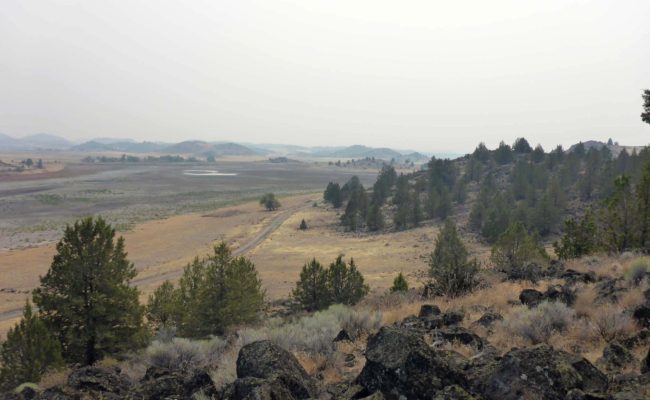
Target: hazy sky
[{"x": 427, "y": 75}]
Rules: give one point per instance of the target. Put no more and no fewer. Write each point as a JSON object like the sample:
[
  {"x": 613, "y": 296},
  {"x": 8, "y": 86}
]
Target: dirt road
[{"x": 246, "y": 246}]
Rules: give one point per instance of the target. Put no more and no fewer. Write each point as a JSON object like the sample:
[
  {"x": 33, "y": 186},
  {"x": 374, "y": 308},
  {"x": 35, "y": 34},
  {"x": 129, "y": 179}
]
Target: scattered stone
[
  {"x": 342, "y": 336},
  {"x": 429, "y": 310},
  {"x": 452, "y": 318},
  {"x": 615, "y": 357},
  {"x": 571, "y": 277},
  {"x": 531, "y": 297},
  {"x": 488, "y": 319}
]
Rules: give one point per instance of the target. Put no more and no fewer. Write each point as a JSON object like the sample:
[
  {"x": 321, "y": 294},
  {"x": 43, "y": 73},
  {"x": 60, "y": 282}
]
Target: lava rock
[
  {"x": 452, "y": 318},
  {"x": 275, "y": 366},
  {"x": 488, "y": 319},
  {"x": 342, "y": 336},
  {"x": 615, "y": 357},
  {"x": 563, "y": 294},
  {"x": 107, "y": 381},
  {"x": 429, "y": 310},
  {"x": 541, "y": 372},
  {"x": 572, "y": 276},
  {"x": 400, "y": 363},
  {"x": 642, "y": 315},
  {"x": 531, "y": 297}
]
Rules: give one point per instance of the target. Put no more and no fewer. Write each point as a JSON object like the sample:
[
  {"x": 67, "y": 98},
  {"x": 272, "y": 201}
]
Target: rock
[
  {"x": 540, "y": 372},
  {"x": 563, "y": 294},
  {"x": 107, "y": 381},
  {"x": 342, "y": 336},
  {"x": 452, "y": 318},
  {"x": 488, "y": 319},
  {"x": 642, "y": 315},
  {"x": 276, "y": 367},
  {"x": 641, "y": 338},
  {"x": 531, "y": 297},
  {"x": 646, "y": 295},
  {"x": 400, "y": 363},
  {"x": 572, "y": 276},
  {"x": 555, "y": 269},
  {"x": 454, "y": 392},
  {"x": 610, "y": 290},
  {"x": 260, "y": 389},
  {"x": 577, "y": 394},
  {"x": 615, "y": 357},
  {"x": 460, "y": 335},
  {"x": 429, "y": 310},
  {"x": 645, "y": 363}
]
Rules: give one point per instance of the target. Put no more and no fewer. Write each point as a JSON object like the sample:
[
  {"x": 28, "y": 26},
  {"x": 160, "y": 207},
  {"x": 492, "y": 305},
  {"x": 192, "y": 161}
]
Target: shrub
[
  {"x": 519, "y": 254},
  {"x": 538, "y": 324},
  {"x": 270, "y": 202},
  {"x": 180, "y": 354},
  {"x": 638, "y": 270},
  {"x": 612, "y": 324}
]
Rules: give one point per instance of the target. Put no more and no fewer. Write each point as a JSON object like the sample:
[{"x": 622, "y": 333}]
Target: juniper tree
[
  {"x": 643, "y": 208},
  {"x": 579, "y": 237},
  {"x": 375, "y": 218},
  {"x": 449, "y": 266},
  {"x": 516, "y": 252},
  {"x": 311, "y": 290},
  {"x": 345, "y": 283},
  {"x": 29, "y": 351},
  {"x": 270, "y": 202},
  {"x": 85, "y": 297},
  {"x": 399, "y": 284},
  {"x": 645, "y": 115},
  {"x": 162, "y": 307},
  {"x": 618, "y": 217},
  {"x": 303, "y": 225}
]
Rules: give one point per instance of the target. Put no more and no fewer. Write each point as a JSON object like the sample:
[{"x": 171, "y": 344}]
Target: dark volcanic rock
[
  {"x": 642, "y": 315},
  {"x": 531, "y": 297},
  {"x": 640, "y": 338},
  {"x": 342, "y": 336},
  {"x": 615, "y": 357},
  {"x": 488, "y": 319},
  {"x": 400, "y": 363},
  {"x": 540, "y": 372},
  {"x": 645, "y": 363},
  {"x": 454, "y": 392},
  {"x": 460, "y": 335},
  {"x": 452, "y": 318},
  {"x": 429, "y": 310},
  {"x": 563, "y": 294},
  {"x": 274, "y": 366},
  {"x": 107, "y": 381},
  {"x": 610, "y": 290},
  {"x": 571, "y": 276}
]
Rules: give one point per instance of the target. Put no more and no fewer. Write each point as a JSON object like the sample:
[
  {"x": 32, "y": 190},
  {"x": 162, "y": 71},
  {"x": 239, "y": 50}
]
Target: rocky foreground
[{"x": 406, "y": 360}]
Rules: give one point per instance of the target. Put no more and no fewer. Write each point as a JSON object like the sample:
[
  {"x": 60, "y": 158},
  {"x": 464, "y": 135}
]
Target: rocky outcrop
[
  {"x": 542, "y": 372},
  {"x": 265, "y": 370},
  {"x": 531, "y": 297},
  {"x": 615, "y": 357},
  {"x": 400, "y": 363}
]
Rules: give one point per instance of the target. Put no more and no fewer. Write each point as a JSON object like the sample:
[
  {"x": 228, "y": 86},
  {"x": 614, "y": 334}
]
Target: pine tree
[
  {"x": 29, "y": 351},
  {"x": 643, "y": 209},
  {"x": 444, "y": 208},
  {"x": 454, "y": 275},
  {"x": 311, "y": 290},
  {"x": 162, "y": 307},
  {"x": 375, "y": 218},
  {"x": 503, "y": 154},
  {"x": 579, "y": 238},
  {"x": 345, "y": 283},
  {"x": 416, "y": 213},
  {"x": 645, "y": 115},
  {"x": 618, "y": 217},
  {"x": 333, "y": 195},
  {"x": 303, "y": 225},
  {"x": 399, "y": 284},
  {"x": 514, "y": 252},
  {"x": 85, "y": 297}
]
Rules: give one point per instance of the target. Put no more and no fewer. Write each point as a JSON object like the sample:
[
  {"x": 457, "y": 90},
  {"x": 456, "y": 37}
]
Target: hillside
[{"x": 40, "y": 141}]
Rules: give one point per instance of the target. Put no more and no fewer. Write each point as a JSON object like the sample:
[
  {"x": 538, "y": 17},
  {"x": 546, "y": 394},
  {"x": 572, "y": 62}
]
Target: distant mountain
[
  {"x": 198, "y": 147},
  {"x": 91, "y": 146},
  {"x": 360, "y": 151},
  {"x": 107, "y": 140},
  {"x": 614, "y": 147},
  {"x": 40, "y": 141}
]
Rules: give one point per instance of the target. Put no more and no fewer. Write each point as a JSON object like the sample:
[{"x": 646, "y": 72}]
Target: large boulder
[
  {"x": 615, "y": 357},
  {"x": 400, "y": 363},
  {"x": 540, "y": 372},
  {"x": 572, "y": 276},
  {"x": 162, "y": 383},
  {"x": 273, "y": 368},
  {"x": 429, "y": 310},
  {"x": 531, "y": 297},
  {"x": 488, "y": 319}
]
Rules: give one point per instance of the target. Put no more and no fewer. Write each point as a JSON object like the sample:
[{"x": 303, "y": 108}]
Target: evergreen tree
[
  {"x": 460, "y": 192},
  {"x": 618, "y": 217},
  {"x": 375, "y": 219},
  {"x": 522, "y": 146},
  {"x": 503, "y": 154},
  {"x": 645, "y": 115},
  {"x": 270, "y": 202},
  {"x": 454, "y": 275},
  {"x": 162, "y": 307},
  {"x": 444, "y": 207},
  {"x": 399, "y": 284},
  {"x": 303, "y": 225},
  {"x": 85, "y": 297},
  {"x": 29, "y": 351},
  {"x": 537, "y": 156},
  {"x": 345, "y": 283},
  {"x": 579, "y": 238},
  {"x": 416, "y": 213},
  {"x": 514, "y": 252},
  {"x": 545, "y": 215},
  {"x": 385, "y": 181},
  {"x": 481, "y": 153},
  {"x": 431, "y": 204},
  {"x": 311, "y": 290},
  {"x": 333, "y": 195},
  {"x": 402, "y": 190},
  {"x": 403, "y": 214},
  {"x": 643, "y": 209}
]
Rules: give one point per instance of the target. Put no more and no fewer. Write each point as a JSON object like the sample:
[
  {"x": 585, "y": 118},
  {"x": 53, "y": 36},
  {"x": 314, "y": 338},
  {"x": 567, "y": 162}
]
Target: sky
[{"x": 425, "y": 75}]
